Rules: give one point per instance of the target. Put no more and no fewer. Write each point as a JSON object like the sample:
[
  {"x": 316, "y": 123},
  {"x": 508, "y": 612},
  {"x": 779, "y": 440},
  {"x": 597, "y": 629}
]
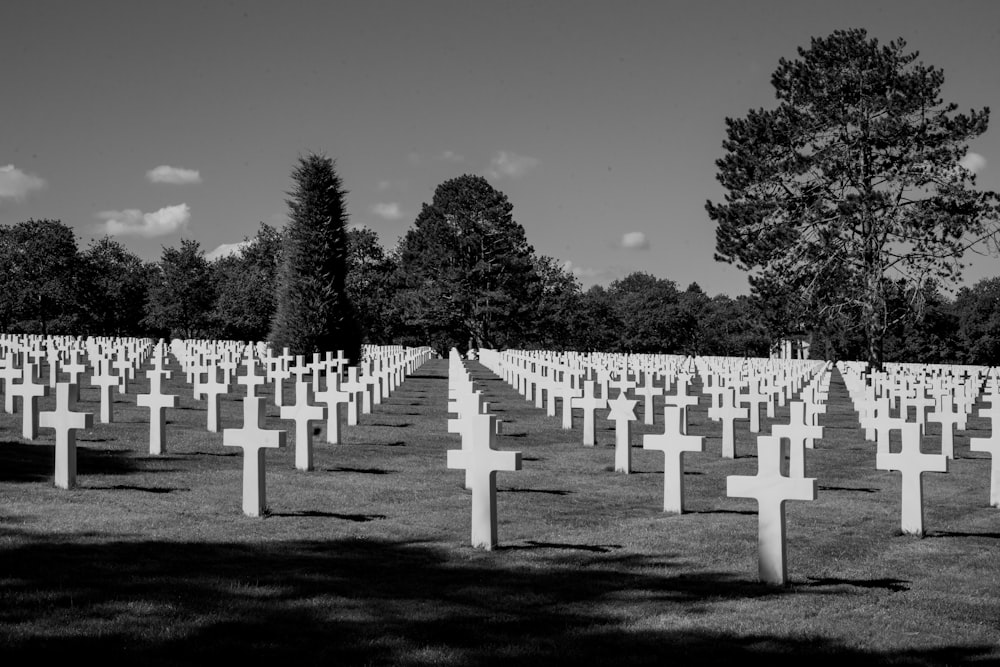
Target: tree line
[{"x": 463, "y": 275}]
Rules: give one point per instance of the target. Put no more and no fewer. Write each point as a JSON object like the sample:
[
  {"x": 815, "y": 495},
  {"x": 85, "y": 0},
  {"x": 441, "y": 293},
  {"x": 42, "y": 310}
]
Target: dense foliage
[
  {"x": 234, "y": 297},
  {"x": 313, "y": 313},
  {"x": 851, "y": 189}
]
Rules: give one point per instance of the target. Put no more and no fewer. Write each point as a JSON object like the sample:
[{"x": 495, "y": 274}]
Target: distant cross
[
  {"x": 303, "y": 413},
  {"x": 912, "y": 464},
  {"x": 649, "y": 391},
  {"x": 949, "y": 417},
  {"x": 483, "y": 460},
  {"x": 623, "y": 414},
  {"x": 728, "y": 412},
  {"x": 681, "y": 398},
  {"x": 566, "y": 393},
  {"x": 104, "y": 379},
  {"x": 621, "y": 382},
  {"x": 9, "y": 371},
  {"x": 797, "y": 431},
  {"x": 356, "y": 389},
  {"x": 213, "y": 390},
  {"x": 991, "y": 446},
  {"x": 157, "y": 402},
  {"x": 673, "y": 443},
  {"x": 75, "y": 368},
  {"x": 65, "y": 421},
  {"x": 589, "y": 403},
  {"x": 29, "y": 390},
  {"x": 754, "y": 398},
  {"x": 335, "y": 399},
  {"x": 771, "y": 490},
  {"x": 254, "y": 439}
]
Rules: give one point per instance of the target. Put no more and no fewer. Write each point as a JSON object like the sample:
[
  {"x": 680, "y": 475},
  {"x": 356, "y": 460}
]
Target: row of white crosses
[
  {"x": 951, "y": 392},
  {"x": 770, "y": 488},
  {"x": 478, "y": 456},
  {"x": 203, "y": 362}
]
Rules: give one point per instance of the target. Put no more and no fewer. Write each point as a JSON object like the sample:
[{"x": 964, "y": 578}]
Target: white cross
[
  {"x": 991, "y": 446},
  {"x": 156, "y": 401},
  {"x": 589, "y": 402},
  {"x": 253, "y": 438},
  {"x": 213, "y": 390},
  {"x": 912, "y": 463},
  {"x": 771, "y": 490},
  {"x": 728, "y": 413},
  {"x": 483, "y": 461},
  {"x": 673, "y": 443},
  {"x": 648, "y": 391},
  {"x": 65, "y": 421},
  {"x": 335, "y": 399},
  {"x": 29, "y": 391},
  {"x": 622, "y": 414},
  {"x": 104, "y": 379},
  {"x": 798, "y": 432},
  {"x": 303, "y": 413},
  {"x": 681, "y": 398}
]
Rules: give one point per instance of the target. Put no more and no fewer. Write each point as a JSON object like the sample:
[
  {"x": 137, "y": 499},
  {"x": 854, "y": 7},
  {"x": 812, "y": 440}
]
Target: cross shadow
[
  {"x": 848, "y": 488},
  {"x": 551, "y": 492},
  {"x": 130, "y": 487},
  {"x": 949, "y": 533},
  {"x": 894, "y": 585},
  {"x": 367, "y": 471},
  {"x": 535, "y": 544},
  {"x": 357, "y": 518}
]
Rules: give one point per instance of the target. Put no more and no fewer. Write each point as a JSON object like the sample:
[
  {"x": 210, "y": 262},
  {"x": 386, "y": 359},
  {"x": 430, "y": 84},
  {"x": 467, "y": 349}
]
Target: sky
[{"x": 600, "y": 121}]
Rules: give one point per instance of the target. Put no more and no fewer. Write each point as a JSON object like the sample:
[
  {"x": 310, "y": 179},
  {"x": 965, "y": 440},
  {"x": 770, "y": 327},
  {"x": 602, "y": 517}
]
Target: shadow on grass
[
  {"x": 894, "y": 585},
  {"x": 848, "y": 488},
  {"x": 381, "y": 602},
  {"x": 720, "y": 511},
  {"x": 403, "y": 425},
  {"x": 357, "y": 518},
  {"x": 129, "y": 487},
  {"x": 20, "y": 462},
  {"x": 534, "y": 544},
  {"x": 551, "y": 492},
  {"x": 948, "y": 533},
  {"x": 366, "y": 471}
]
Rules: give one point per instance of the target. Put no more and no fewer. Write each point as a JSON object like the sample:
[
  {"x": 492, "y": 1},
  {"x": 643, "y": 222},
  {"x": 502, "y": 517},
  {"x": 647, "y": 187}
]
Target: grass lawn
[{"x": 367, "y": 559}]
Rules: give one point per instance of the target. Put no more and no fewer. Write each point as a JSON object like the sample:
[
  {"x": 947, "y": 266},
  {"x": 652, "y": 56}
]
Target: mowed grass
[{"x": 367, "y": 559}]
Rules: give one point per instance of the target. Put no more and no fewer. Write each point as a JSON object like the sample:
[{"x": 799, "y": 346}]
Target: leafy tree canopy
[{"x": 851, "y": 183}]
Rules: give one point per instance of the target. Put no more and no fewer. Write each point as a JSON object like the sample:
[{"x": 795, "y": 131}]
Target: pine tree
[{"x": 313, "y": 312}]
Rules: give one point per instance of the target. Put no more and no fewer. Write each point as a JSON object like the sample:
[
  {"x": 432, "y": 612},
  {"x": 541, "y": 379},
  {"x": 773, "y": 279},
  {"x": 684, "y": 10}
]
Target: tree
[
  {"x": 369, "y": 285},
  {"x": 314, "y": 314},
  {"x": 647, "y": 309},
  {"x": 182, "y": 292},
  {"x": 852, "y": 183},
  {"x": 977, "y": 310},
  {"x": 246, "y": 282},
  {"x": 466, "y": 270},
  {"x": 557, "y": 303},
  {"x": 117, "y": 283},
  {"x": 40, "y": 269}
]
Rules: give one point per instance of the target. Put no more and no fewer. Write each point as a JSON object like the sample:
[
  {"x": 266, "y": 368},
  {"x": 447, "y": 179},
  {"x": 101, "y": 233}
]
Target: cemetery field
[{"x": 367, "y": 558}]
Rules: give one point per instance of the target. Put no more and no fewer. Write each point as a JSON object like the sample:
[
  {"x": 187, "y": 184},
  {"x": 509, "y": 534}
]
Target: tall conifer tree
[{"x": 313, "y": 312}]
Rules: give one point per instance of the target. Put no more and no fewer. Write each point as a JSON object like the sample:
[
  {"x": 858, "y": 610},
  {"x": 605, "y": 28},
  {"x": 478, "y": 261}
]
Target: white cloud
[
  {"x": 16, "y": 184},
  {"x": 973, "y": 162},
  {"x": 133, "y": 222},
  {"x": 452, "y": 156},
  {"x": 174, "y": 175},
  {"x": 388, "y": 210},
  {"x": 227, "y": 249},
  {"x": 581, "y": 271},
  {"x": 506, "y": 163},
  {"x": 635, "y": 241}
]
